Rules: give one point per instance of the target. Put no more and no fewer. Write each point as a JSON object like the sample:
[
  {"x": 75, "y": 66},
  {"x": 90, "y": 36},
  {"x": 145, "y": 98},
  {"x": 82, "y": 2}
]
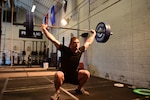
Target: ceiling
[{"x": 42, "y": 6}]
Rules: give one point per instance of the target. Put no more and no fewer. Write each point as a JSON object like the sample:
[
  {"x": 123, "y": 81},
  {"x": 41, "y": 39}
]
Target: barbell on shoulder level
[
  {"x": 59, "y": 27},
  {"x": 103, "y": 30}
]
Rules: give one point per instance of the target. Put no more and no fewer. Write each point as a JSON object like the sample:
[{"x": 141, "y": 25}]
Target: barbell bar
[
  {"x": 59, "y": 27},
  {"x": 103, "y": 30}
]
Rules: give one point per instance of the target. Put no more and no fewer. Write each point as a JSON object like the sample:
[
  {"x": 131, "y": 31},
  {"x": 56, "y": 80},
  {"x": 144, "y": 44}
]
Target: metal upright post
[{"x": 11, "y": 46}]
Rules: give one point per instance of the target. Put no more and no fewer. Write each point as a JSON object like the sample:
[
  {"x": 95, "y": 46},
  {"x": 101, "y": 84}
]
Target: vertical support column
[
  {"x": 0, "y": 23},
  {"x": 12, "y": 21}
]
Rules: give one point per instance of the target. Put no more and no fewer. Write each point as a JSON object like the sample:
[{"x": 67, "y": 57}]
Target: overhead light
[
  {"x": 33, "y": 8},
  {"x": 64, "y": 21},
  {"x": 64, "y": 1}
]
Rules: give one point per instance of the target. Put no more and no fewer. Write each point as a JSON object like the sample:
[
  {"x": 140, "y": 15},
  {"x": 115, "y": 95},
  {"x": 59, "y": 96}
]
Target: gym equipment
[
  {"x": 141, "y": 91},
  {"x": 40, "y": 54},
  {"x": 29, "y": 61},
  {"x": 36, "y": 52},
  {"x": 33, "y": 53},
  {"x": 3, "y": 59},
  {"x": 103, "y": 30},
  {"x": 36, "y": 55},
  {"x": 44, "y": 50},
  {"x": 15, "y": 58},
  {"x": 23, "y": 53}
]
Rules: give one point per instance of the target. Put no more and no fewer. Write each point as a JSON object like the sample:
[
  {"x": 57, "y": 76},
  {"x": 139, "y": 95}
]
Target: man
[{"x": 69, "y": 63}]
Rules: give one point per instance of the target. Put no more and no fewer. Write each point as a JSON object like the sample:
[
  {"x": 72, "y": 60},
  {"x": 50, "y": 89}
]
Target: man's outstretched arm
[
  {"x": 50, "y": 36},
  {"x": 90, "y": 40}
]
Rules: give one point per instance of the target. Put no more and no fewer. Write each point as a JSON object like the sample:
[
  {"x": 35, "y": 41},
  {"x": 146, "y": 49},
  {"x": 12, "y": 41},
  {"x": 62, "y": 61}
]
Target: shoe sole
[{"x": 56, "y": 99}]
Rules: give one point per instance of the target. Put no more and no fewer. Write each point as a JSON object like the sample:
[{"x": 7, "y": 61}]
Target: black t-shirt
[{"x": 70, "y": 60}]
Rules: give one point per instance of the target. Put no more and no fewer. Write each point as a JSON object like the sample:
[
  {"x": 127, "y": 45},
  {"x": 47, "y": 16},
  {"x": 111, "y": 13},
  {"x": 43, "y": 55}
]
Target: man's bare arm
[
  {"x": 50, "y": 36},
  {"x": 90, "y": 40}
]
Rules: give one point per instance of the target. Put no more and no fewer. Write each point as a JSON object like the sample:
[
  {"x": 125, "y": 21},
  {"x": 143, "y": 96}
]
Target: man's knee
[
  {"x": 59, "y": 75},
  {"x": 84, "y": 73}
]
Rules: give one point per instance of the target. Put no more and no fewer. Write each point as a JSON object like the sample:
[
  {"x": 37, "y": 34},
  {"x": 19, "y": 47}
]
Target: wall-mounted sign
[{"x": 35, "y": 34}]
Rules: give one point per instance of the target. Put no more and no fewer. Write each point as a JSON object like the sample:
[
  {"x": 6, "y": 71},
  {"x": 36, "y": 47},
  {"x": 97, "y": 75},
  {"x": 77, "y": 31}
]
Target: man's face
[{"x": 75, "y": 45}]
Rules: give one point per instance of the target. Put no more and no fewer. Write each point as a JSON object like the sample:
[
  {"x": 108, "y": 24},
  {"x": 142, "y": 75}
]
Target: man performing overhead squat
[{"x": 71, "y": 55}]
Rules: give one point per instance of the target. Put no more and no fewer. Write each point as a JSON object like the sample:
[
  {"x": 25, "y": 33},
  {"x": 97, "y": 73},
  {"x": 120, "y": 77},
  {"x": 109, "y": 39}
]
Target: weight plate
[
  {"x": 145, "y": 92},
  {"x": 102, "y": 32}
]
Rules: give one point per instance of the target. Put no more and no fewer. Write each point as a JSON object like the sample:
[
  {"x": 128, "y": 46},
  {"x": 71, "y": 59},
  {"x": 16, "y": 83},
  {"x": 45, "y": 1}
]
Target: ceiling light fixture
[
  {"x": 33, "y": 8},
  {"x": 65, "y": 21}
]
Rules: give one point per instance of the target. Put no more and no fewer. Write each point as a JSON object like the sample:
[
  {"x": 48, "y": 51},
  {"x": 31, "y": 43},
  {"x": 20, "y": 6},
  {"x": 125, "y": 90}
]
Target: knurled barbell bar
[{"x": 103, "y": 30}]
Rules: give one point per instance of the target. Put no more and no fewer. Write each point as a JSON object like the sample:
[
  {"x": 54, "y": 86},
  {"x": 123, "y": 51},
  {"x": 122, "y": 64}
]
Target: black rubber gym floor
[{"x": 42, "y": 87}]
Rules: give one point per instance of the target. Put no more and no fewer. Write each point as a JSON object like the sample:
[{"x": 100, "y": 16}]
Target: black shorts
[{"x": 71, "y": 78}]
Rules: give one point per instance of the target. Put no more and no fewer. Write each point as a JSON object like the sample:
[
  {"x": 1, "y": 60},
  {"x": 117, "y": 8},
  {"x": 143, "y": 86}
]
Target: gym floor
[{"x": 36, "y": 83}]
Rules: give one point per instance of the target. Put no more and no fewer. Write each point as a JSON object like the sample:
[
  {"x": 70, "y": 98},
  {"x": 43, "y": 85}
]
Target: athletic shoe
[
  {"x": 55, "y": 96},
  {"x": 82, "y": 92}
]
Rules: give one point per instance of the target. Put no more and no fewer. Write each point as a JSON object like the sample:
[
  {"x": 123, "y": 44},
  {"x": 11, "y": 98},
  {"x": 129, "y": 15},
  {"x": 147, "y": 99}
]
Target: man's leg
[
  {"x": 83, "y": 77},
  {"x": 58, "y": 81}
]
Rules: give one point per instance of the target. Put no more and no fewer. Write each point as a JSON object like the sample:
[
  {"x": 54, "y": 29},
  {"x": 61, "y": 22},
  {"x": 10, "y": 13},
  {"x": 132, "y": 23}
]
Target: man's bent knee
[
  {"x": 59, "y": 75},
  {"x": 84, "y": 73}
]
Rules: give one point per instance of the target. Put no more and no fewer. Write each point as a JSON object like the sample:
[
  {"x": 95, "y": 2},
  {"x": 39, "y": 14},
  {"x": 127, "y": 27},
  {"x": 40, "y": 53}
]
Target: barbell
[{"x": 103, "y": 30}]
